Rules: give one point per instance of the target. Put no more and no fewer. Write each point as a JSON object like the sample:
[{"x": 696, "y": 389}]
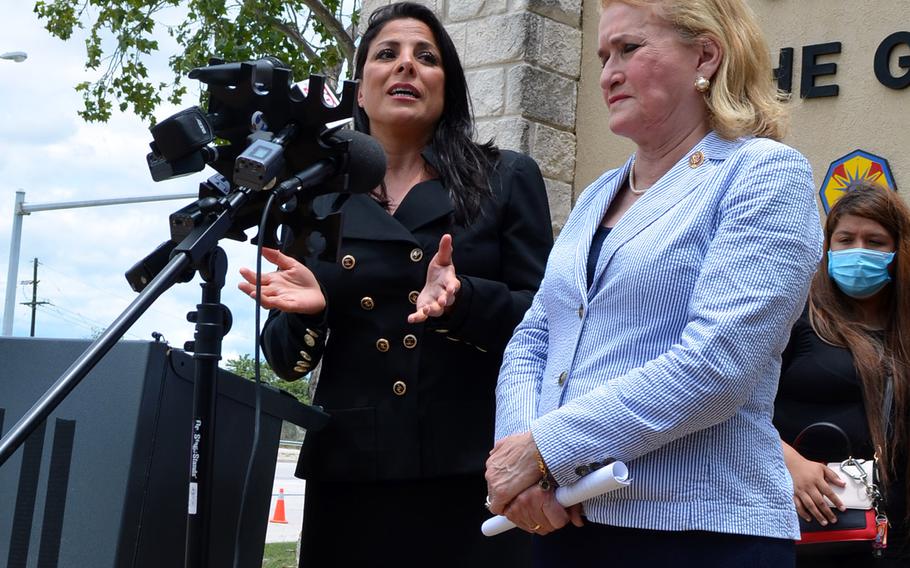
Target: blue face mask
[{"x": 858, "y": 272}]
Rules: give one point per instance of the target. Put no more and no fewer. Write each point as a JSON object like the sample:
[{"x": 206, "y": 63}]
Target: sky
[{"x": 50, "y": 153}]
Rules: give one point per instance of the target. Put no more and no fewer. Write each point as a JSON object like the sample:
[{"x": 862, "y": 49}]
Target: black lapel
[
  {"x": 426, "y": 202},
  {"x": 364, "y": 218}
]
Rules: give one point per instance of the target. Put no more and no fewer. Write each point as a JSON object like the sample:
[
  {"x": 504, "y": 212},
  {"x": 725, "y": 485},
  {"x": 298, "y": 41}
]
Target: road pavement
[{"x": 293, "y": 501}]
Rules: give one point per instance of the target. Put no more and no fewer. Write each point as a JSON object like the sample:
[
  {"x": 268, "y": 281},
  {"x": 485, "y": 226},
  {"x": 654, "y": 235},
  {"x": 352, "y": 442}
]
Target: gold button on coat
[
  {"x": 416, "y": 255},
  {"x": 399, "y": 388},
  {"x": 412, "y": 297},
  {"x": 382, "y": 344},
  {"x": 410, "y": 341},
  {"x": 308, "y": 339},
  {"x": 367, "y": 303},
  {"x": 562, "y": 378},
  {"x": 306, "y": 356},
  {"x": 348, "y": 261}
]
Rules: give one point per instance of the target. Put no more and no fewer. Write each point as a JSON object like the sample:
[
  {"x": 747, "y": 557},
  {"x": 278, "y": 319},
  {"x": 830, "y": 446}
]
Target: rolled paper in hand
[{"x": 608, "y": 478}]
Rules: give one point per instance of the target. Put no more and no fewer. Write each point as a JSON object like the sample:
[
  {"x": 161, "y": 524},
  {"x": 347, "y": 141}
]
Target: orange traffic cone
[{"x": 278, "y": 515}]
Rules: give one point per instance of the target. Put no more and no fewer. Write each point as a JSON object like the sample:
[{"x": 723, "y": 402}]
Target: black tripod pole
[{"x": 213, "y": 321}]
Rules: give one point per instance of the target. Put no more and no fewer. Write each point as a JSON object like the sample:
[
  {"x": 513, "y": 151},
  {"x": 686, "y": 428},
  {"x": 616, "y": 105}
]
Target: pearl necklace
[{"x": 632, "y": 182}]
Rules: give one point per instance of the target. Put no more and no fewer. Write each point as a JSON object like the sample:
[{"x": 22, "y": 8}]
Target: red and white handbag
[{"x": 864, "y": 522}]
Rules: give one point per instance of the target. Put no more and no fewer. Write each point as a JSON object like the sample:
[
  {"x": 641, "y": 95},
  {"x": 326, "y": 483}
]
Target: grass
[{"x": 279, "y": 555}]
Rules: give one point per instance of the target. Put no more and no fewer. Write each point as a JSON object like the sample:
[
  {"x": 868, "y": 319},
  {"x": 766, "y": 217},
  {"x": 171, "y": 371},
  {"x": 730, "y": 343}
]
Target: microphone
[
  {"x": 226, "y": 74},
  {"x": 361, "y": 163}
]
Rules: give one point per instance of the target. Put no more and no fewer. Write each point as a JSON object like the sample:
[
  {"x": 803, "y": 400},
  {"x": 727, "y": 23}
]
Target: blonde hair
[{"x": 743, "y": 98}]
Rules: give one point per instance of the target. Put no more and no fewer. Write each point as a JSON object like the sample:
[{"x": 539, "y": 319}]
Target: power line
[
  {"x": 79, "y": 320},
  {"x": 113, "y": 292}
]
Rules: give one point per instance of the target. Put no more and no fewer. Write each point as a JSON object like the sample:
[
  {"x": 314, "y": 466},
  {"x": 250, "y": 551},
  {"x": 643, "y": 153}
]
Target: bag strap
[{"x": 823, "y": 425}]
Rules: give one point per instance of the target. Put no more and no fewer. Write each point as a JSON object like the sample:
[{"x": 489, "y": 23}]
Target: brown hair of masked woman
[
  {"x": 834, "y": 317},
  {"x": 464, "y": 167}
]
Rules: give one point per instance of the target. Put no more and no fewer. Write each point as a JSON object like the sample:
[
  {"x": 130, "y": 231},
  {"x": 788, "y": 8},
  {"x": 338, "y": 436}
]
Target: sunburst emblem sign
[{"x": 854, "y": 166}]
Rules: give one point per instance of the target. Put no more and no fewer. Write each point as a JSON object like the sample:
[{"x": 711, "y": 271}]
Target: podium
[{"x": 104, "y": 480}]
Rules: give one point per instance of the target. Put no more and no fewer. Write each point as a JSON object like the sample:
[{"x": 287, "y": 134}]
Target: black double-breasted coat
[
  {"x": 414, "y": 401},
  {"x": 412, "y": 406}
]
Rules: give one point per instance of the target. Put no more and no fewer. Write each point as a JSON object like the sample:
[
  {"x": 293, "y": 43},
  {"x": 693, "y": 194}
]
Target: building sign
[
  {"x": 847, "y": 169},
  {"x": 889, "y": 50}
]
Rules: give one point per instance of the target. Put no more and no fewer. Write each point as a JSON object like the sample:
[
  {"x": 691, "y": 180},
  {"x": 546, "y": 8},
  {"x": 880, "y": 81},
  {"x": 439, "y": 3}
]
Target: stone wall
[{"x": 522, "y": 59}]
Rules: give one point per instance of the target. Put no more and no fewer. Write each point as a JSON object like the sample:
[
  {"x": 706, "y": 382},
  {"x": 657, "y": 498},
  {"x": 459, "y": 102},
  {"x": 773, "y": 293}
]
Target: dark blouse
[
  {"x": 597, "y": 243},
  {"x": 818, "y": 383}
]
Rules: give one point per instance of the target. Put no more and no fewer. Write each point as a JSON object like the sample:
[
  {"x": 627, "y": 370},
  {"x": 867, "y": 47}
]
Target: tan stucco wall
[{"x": 865, "y": 115}]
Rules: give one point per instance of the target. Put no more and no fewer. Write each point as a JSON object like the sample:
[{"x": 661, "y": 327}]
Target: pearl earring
[{"x": 702, "y": 84}]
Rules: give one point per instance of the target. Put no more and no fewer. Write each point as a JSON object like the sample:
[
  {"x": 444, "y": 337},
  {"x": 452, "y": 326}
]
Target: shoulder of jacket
[
  {"x": 510, "y": 160},
  {"x": 762, "y": 147}
]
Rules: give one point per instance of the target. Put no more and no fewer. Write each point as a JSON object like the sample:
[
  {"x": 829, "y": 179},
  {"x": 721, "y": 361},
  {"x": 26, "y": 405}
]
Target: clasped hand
[{"x": 512, "y": 482}]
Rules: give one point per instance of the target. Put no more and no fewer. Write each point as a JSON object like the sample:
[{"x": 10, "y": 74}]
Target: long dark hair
[
  {"x": 836, "y": 318},
  {"x": 464, "y": 166}
]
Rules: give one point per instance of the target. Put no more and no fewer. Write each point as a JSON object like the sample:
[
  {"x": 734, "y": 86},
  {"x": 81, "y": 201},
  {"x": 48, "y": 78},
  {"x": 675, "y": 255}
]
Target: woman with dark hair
[
  {"x": 396, "y": 478},
  {"x": 848, "y": 363}
]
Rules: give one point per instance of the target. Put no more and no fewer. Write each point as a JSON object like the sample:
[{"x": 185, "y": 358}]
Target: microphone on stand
[{"x": 359, "y": 168}]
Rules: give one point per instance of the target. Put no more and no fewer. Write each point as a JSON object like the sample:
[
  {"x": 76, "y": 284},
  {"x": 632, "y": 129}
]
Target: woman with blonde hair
[{"x": 656, "y": 334}]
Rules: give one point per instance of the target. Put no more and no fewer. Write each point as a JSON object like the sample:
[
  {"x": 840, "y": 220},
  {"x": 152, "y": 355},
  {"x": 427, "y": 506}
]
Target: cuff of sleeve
[
  {"x": 551, "y": 449},
  {"x": 308, "y": 332},
  {"x": 300, "y": 323},
  {"x": 554, "y": 446}
]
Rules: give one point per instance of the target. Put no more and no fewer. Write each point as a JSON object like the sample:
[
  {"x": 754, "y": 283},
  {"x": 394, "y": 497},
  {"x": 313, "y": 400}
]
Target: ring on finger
[
  {"x": 535, "y": 527},
  {"x": 488, "y": 502}
]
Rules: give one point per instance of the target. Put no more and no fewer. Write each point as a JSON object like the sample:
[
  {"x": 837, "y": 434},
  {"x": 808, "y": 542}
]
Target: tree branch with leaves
[{"x": 310, "y": 36}]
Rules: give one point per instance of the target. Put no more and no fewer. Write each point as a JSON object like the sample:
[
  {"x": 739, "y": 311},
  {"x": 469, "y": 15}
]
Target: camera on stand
[{"x": 262, "y": 135}]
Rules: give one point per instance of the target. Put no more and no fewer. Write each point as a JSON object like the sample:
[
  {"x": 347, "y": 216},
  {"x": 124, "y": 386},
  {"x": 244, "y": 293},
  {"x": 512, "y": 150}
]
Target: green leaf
[{"x": 123, "y": 36}]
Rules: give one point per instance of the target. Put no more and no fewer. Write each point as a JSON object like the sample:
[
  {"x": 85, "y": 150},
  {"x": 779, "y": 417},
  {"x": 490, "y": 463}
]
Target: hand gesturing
[
  {"x": 438, "y": 293},
  {"x": 292, "y": 288}
]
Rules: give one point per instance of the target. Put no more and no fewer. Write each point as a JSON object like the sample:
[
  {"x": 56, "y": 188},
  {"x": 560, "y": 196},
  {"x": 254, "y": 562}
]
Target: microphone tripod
[{"x": 197, "y": 252}]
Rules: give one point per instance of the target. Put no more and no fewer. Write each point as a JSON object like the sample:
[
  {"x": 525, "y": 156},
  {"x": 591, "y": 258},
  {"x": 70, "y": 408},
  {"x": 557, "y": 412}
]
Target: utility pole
[
  {"x": 21, "y": 208},
  {"x": 34, "y": 303}
]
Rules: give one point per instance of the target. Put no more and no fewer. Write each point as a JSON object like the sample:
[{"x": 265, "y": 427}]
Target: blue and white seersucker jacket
[{"x": 670, "y": 361}]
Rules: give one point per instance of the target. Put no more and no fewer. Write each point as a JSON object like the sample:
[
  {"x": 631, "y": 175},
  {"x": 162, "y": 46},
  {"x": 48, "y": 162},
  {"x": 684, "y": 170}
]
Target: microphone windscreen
[{"x": 366, "y": 162}]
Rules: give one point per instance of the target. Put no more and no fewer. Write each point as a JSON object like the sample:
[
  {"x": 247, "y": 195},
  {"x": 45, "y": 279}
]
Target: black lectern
[{"x": 103, "y": 481}]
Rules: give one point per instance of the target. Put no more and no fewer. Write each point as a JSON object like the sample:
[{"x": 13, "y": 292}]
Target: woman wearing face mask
[{"x": 848, "y": 362}]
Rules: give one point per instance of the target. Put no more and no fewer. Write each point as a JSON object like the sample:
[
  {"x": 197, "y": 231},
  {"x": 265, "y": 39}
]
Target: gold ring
[{"x": 535, "y": 527}]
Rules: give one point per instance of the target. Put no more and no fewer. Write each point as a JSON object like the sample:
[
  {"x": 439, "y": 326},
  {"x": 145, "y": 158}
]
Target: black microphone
[
  {"x": 362, "y": 167},
  {"x": 229, "y": 73}
]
